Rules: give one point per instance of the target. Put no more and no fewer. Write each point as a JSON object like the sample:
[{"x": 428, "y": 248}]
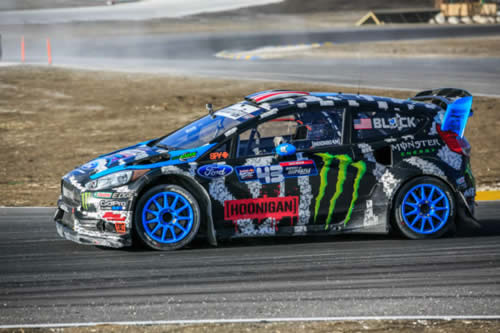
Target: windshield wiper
[
  {"x": 164, "y": 146},
  {"x": 165, "y": 155}
]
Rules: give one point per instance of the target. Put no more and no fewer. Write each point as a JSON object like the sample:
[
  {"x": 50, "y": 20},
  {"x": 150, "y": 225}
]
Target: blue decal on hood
[
  {"x": 90, "y": 165},
  {"x": 177, "y": 157},
  {"x": 214, "y": 171}
]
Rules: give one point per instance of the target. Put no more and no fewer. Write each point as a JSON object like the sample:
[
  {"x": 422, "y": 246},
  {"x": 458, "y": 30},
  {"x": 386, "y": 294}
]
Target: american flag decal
[{"x": 362, "y": 124}]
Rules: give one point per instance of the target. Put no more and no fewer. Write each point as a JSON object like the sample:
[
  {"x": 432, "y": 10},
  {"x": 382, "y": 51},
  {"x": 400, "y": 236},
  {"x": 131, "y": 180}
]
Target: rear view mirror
[{"x": 285, "y": 149}]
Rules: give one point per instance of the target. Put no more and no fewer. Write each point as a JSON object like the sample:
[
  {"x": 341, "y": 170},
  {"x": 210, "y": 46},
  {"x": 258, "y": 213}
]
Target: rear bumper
[{"x": 69, "y": 225}]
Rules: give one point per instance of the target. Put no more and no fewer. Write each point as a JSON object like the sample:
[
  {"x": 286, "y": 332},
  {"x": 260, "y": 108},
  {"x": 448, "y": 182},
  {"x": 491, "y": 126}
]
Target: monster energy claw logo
[
  {"x": 85, "y": 200},
  {"x": 344, "y": 162}
]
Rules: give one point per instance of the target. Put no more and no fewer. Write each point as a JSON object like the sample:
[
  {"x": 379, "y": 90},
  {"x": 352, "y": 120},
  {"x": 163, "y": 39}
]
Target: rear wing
[{"x": 456, "y": 102}]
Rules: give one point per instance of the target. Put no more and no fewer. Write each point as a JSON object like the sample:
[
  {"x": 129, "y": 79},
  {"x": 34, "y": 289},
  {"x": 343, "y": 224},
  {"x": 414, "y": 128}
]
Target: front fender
[{"x": 185, "y": 178}]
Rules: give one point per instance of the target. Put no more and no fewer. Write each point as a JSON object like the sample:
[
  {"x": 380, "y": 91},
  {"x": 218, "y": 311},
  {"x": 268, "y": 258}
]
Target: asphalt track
[
  {"x": 45, "y": 279},
  {"x": 193, "y": 54}
]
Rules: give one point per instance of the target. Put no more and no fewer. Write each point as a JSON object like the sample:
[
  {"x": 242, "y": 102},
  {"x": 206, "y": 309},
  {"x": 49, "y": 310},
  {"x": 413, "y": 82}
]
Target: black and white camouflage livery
[{"x": 234, "y": 185}]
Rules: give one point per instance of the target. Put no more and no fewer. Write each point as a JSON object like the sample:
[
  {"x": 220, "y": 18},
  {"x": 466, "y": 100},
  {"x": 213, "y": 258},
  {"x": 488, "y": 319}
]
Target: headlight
[{"x": 112, "y": 180}]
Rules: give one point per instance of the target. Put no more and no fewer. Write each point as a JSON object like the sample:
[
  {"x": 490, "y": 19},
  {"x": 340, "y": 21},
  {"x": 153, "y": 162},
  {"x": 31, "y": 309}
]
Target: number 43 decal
[{"x": 270, "y": 174}]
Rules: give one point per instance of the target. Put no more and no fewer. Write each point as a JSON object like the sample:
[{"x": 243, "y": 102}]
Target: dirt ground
[
  {"x": 52, "y": 120},
  {"x": 448, "y": 47},
  {"x": 371, "y": 326}
]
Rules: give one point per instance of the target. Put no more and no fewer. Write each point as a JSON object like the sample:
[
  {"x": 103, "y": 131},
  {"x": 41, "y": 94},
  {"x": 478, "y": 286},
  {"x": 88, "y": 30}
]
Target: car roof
[{"x": 276, "y": 100}]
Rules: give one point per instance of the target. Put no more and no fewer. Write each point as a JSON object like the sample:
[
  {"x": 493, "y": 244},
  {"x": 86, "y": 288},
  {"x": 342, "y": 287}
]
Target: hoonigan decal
[
  {"x": 344, "y": 162},
  {"x": 262, "y": 208}
]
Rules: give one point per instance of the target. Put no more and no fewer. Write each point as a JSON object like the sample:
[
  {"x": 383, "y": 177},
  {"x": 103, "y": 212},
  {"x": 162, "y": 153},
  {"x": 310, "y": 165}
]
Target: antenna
[{"x": 210, "y": 110}]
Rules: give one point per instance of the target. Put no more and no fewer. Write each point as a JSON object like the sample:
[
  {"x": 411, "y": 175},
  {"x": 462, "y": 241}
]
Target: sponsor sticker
[
  {"x": 121, "y": 227},
  {"x": 276, "y": 173},
  {"x": 246, "y": 173},
  {"x": 219, "y": 155},
  {"x": 416, "y": 145},
  {"x": 399, "y": 123},
  {"x": 114, "y": 217},
  {"x": 186, "y": 156},
  {"x": 112, "y": 205},
  {"x": 299, "y": 168},
  {"x": 325, "y": 143},
  {"x": 211, "y": 171},
  {"x": 261, "y": 208},
  {"x": 237, "y": 111},
  {"x": 123, "y": 195},
  {"x": 103, "y": 195}
]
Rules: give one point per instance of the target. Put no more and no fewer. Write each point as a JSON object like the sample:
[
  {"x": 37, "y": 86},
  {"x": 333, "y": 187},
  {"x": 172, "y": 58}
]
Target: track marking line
[{"x": 254, "y": 320}]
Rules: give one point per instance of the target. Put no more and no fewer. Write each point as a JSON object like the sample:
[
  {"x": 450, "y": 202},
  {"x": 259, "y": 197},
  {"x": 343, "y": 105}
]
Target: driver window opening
[{"x": 305, "y": 130}]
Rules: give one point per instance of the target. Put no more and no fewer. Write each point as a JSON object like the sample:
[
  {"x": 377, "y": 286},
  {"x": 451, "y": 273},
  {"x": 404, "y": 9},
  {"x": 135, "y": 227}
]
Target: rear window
[{"x": 377, "y": 126}]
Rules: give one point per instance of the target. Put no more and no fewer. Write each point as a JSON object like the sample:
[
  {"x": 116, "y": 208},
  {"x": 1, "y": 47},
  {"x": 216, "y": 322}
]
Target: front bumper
[{"x": 73, "y": 225}]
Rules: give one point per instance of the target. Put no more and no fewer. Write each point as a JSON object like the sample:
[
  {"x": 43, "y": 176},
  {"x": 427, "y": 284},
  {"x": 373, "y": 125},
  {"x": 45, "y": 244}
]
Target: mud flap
[{"x": 464, "y": 220}]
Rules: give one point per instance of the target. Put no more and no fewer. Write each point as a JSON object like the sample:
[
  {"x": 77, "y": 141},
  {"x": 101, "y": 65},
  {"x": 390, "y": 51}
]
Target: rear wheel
[
  {"x": 167, "y": 217},
  {"x": 424, "y": 208}
]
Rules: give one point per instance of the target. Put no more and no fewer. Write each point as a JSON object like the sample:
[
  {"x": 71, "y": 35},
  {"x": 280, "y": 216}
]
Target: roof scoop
[{"x": 456, "y": 116}]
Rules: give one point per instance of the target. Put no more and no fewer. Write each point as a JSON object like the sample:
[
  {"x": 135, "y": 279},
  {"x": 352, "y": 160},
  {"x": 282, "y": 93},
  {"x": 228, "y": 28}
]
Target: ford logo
[
  {"x": 89, "y": 166},
  {"x": 214, "y": 171}
]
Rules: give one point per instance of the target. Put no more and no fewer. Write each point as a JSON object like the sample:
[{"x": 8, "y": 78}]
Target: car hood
[
  {"x": 124, "y": 157},
  {"x": 140, "y": 156}
]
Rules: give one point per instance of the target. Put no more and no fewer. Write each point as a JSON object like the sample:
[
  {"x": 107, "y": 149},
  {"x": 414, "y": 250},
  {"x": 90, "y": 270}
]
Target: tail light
[{"x": 454, "y": 142}]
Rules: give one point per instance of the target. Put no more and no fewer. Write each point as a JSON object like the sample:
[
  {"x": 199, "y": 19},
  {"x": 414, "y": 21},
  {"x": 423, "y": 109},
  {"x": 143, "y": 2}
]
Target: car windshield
[{"x": 204, "y": 130}]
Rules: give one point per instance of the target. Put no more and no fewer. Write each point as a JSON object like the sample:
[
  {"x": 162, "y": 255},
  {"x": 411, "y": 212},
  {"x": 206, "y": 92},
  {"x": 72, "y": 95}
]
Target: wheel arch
[
  {"x": 397, "y": 190},
  {"x": 194, "y": 188}
]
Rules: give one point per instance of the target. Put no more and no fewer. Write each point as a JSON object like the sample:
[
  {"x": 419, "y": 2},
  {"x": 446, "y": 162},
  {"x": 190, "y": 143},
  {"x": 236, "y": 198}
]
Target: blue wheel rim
[
  {"x": 167, "y": 217},
  {"x": 425, "y": 209}
]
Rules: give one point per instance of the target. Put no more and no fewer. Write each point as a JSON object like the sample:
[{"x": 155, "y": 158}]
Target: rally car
[{"x": 282, "y": 163}]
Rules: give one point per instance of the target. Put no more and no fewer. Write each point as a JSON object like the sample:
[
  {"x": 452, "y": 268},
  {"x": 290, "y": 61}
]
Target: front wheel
[
  {"x": 167, "y": 217},
  {"x": 424, "y": 208}
]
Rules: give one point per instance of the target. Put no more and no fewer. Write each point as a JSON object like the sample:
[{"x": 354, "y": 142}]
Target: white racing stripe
[{"x": 254, "y": 320}]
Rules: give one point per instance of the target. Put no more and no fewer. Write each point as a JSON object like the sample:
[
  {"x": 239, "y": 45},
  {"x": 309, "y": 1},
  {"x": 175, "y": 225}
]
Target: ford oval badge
[{"x": 214, "y": 171}]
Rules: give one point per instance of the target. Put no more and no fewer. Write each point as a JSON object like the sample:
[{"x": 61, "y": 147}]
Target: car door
[
  {"x": 308, "y": 191},
  {"x": 343, "y": 182}
]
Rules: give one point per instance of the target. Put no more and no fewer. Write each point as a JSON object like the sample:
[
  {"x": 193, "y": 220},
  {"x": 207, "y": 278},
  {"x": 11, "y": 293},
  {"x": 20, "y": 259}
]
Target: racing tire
[
  {"x": 167, "y": 217},
  {"x": 424, "y": 208}
]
